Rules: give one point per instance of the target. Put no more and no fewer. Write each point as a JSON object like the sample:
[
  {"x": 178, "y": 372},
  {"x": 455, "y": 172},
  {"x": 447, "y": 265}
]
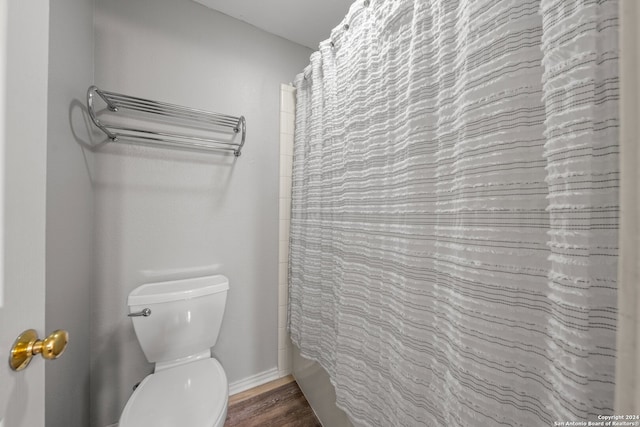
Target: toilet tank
[{"x": 185, "y": 316}]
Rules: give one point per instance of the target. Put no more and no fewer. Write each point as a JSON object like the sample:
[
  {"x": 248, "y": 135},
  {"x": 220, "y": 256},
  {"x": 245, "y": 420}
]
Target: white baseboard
[
  {"x": 284, "y": 373},
  {"x": 253, "y": 381}
]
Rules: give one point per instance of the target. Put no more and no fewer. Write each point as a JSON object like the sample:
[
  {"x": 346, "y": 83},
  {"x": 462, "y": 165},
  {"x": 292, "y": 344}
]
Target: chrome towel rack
[{"x": 199, "y": 130}]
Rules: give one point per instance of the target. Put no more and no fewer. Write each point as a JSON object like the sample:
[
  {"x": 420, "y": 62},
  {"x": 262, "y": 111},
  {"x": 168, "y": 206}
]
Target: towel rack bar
[
  {"x": 120, "y": 97},
  {"x": 167, "y": 113},
  {"x": 207, "y": 124},
  {"x": 150, "y": 140},
  {"x": 129, "y": 132},
  {"x": 126, "y": 103}
]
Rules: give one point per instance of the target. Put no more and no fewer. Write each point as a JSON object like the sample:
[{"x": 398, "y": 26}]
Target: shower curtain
[{"x": 455, "y": 211}]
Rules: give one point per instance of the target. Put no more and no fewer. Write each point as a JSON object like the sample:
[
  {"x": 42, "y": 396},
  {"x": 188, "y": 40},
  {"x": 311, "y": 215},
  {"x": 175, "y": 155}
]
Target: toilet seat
[{"x": 194, "y": 394}]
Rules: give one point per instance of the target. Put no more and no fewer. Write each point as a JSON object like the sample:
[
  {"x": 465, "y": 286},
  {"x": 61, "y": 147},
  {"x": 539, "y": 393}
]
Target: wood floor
[{"x": 279, "y": 403}]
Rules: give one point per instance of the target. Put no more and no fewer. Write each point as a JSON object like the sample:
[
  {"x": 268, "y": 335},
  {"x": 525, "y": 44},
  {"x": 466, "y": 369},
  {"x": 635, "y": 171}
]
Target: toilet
[{"x": 177, "y": 323}]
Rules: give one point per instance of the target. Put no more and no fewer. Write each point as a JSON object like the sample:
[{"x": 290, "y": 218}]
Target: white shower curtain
[{"x": 454, "y": 214}]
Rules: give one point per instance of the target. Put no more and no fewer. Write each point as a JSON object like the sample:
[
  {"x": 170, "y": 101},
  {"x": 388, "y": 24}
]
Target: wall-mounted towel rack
[{"x": 203, "y": 130}]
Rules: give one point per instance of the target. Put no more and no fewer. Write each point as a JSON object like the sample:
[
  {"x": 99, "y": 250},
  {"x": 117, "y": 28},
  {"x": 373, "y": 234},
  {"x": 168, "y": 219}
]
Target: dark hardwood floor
[{"x": 279, "y": 405}]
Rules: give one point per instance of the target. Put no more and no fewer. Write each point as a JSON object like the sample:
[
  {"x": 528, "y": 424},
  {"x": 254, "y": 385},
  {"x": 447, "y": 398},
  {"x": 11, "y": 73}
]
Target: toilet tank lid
[{"x": 175, "y": 290}]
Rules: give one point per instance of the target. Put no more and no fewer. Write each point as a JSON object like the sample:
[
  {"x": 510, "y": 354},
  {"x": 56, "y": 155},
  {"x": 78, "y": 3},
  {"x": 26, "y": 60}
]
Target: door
[{"x": 24, "y": 29}]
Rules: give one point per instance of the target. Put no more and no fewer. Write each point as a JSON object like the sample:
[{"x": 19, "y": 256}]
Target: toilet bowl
[{"x": 177, "y": 323}]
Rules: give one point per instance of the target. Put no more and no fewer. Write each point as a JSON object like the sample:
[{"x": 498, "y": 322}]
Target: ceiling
[{"x": 306, "y": 22}]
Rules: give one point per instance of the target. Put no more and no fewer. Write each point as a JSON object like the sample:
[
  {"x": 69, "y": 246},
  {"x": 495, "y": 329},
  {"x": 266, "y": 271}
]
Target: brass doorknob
[{"x": 28, "y": 345}]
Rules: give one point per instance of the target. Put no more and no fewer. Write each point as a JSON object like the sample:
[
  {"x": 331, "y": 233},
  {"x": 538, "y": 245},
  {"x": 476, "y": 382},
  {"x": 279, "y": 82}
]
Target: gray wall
[
  {"x": 69, "y": 227},
  {"x": 163, "y": 214}
]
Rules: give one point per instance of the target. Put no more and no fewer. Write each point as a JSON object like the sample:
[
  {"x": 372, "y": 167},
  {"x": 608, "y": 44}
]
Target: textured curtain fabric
[{"x": 455, "y": 212}]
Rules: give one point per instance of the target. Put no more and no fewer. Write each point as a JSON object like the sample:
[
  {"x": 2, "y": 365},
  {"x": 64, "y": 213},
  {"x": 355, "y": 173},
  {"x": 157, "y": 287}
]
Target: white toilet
[{"x": 177, "y": 323}]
